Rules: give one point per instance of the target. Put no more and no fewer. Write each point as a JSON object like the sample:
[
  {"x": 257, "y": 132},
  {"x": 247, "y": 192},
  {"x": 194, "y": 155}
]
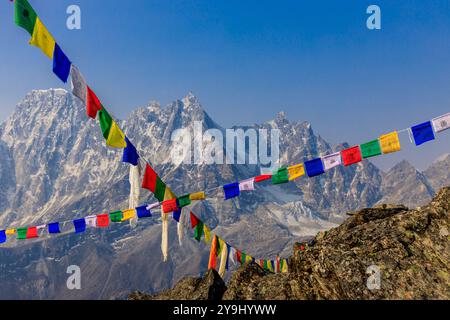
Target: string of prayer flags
[
  {"x": 61, "y": 64},
  {"x": 130, "y": 154},
  {"x": 422, "y": 133},
  {"x": 296, "y": 171},
  {"x": 184, "y": 201},
  {"x": 116, "y": 216},
  {"x": 231, "y": 190},
  {"x": 170, "y": 205},
  {"x": 53, "y": 228},
  {"x": 263, "y": 177},
  {"x": 102, "y": 220},
  {"x": 280, "y": 176},
  {"x": 80, "y": 225},
  {"x": 331, "y": 161},
  {"x": 247, "y": 185},
  {"x": 314, "y": 167},
  {"x": 390, "y": 143},
  {"x": 351, "y": 156},
  {"x": 2, "y": 236},
  {"x": 370, "y": 149},
  {"x": 94, "y": 105},
  {"x": 78, "y": 84},
  {"x": 24, "y": 15},
  {"x": 197, "y": 196},
  {"x": 42, "y": 39},
  {"x": 441, "y": 123}
]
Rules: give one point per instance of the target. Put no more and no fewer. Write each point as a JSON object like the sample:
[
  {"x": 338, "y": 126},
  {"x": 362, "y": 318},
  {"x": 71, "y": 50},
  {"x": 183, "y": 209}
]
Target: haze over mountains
[{"x": 55, "y": 166}]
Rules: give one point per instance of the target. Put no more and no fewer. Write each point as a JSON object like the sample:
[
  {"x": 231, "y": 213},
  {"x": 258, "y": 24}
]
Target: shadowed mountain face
[{"x": 55, "y": 166}]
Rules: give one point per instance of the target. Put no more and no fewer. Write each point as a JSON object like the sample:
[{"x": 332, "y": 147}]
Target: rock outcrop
[{"x": 409, "y": 248}]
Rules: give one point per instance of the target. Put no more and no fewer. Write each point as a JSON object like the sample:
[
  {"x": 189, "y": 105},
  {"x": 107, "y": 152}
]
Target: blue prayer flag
[
  {"x": 53, "y": 227},
  {"x": 176, "y": 215},
  {"x": 2, "y": 236},
  {"x": 272, "y": 263},
  {"x": 61, "y": 64},
  {"x": 80, "y": 225},
  {"x": 423, "y": 133},
  {"x": 231, "y": 190},
  {"x": 314, "y": 167},
  {"x": 130, "y": 154},
  {"x": 143, "y": 212},
  {"x": 228, "y": 256}
]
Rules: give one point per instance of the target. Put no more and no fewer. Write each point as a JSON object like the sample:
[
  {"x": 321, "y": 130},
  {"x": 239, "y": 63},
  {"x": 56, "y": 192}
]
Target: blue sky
[{"x": 248, "y": 60}]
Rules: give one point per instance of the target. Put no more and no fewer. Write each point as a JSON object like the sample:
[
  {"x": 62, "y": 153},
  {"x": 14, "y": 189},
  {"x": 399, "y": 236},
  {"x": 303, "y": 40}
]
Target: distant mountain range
[{"x": 55, "y": 166}]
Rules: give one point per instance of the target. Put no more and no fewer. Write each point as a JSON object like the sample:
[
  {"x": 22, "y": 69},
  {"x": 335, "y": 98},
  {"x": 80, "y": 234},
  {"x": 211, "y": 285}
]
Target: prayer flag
[
  {"x": 423, "y": 133},
  {"x": 153, "y": 183},
  {"x": 170, "y": 205},
  {"x": 184, "y": 201},
  {"x": 280, "y": 176},
  {"x": 128, "y": 214},
  {"x": 168, "y": 194},
  {"x": 197, "y": 196},
  {"x": 54, "y": 228},
  {"x": 2, "y": 236},
  {"x": 331, "y": 161},
  {"x": 207, "y": 232},
  {"x": 247, "y": 185},
  {"x": 194, "y": 220},
  {"x": 143, "y": 212},
  {"x": 351, "y": 156},
  {"x": 176, "y": 215},
  {"x": 80, "y": 225},
  {"x": 42, "y": 39},
  {"x": 93, "y": 104},
  {"x": 238, "y": 256},
  {"x": 212, "y": 263},
  {"x": 61, "y": 64},
  {"x": 265, "y": 265},
  {"x": 130, "y": 154},
  {"x": 390, "y": 142},
  {"x": 78, "y": 83},
  {"x": 116, "y": 216},
  {"x": 10, "y": 232},
  {"x": 231, "y": 190},
  {"x": 24, "y": 15},
  {"x": 116, "y": 138},
  {"x": 243, "y": 257},
  {"x": 370, "y": 149},
  {"x": 228, "y": 257},
  {"x": 263, "y": 177},
  {"x": 296, "y": 171},
  {"x": 198, "y": 231},
  {"x": 22, "y": 233},
  {"x": 102, "y": 220},
  {"x": 105, "y": 122},
  {"x": 314, "y": 167},
  {"x": 91, "y": 221},
  {"x": 441, "y": 123}
]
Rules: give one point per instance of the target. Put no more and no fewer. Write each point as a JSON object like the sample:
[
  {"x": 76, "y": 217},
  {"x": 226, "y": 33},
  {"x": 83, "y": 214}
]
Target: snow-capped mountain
[{"x": 55, "y": 166}]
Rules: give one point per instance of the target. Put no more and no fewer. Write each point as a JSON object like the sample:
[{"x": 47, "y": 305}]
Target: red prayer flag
[
  {"x": 32, "y": 233},
  {"x": 238, "y": 255},
  {"x": 170, "y": 205},
  {"x": 102, "y": 220},
  {"x": 263, "y": 177},
  {"x": 351, "y": 156},
  {"x": 194, "y": 220},
  {"x": 93, "y": 104},
  {"x": 150, "y": 177}
]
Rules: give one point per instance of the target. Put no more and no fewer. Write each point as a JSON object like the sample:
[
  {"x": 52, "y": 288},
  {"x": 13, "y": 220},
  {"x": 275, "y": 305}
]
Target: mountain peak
[{"x": 190, "y": 100}]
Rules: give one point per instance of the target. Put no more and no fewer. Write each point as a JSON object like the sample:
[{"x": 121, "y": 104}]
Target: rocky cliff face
[{"x": 410, "y": 248}]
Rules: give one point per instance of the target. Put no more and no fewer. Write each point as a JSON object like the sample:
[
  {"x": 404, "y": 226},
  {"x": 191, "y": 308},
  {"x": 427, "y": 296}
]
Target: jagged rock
[{"x": 210, "y": 287}]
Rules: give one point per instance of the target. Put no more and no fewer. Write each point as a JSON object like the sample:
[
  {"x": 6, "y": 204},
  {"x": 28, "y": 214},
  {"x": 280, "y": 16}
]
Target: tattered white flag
[
  {"x": 441, "y": 123},
  {"x": 331, "y": 161}
]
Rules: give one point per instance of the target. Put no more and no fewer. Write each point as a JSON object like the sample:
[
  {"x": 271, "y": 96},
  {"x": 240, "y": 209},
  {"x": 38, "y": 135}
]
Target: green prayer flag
[
  {"x": 22, "y": 233},
  {"x": 116, "y": 216},
  {"x": 105, "y": 122},
  {"x": 371, "y": 149},
  {"x": 24, "y": 15},
  {"x": 198, "y": 231},
  {"x": 243, "y": 257},
  {"x": 184, "y": 201},
  {"x": 160, "y": 189},
  {"x": 265, "y": 265},
  {"x": 281, "y": 176}
]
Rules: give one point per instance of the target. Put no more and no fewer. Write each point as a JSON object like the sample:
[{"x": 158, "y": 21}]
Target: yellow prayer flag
[
  {"x": 248, "y": 258},
  {"x": 296, "y": 171},
  {"x": 197, "y": 196},
  {"x": 42, "y": 39},
  {"x": 222, "y": 245},
  {"x": 285, "y": 266},
  {"x": 207, "y": 232},
  {"x": 128, "y": 214},
  {"x": 116, "y": 137},
  {"x": 10, "y": 232},
  {"x": 168, "y": 194},
  {"x": 390, "y": 142}
]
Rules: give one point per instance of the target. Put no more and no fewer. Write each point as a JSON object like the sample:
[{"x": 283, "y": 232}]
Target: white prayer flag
[
  {"x": 331, "y": 161},
  {"x": 79, "y": 86},
  {"x": 441, "y": 123},
  {"x": 232, "y": 254},
  {"x": 247, "y": 185},
  {"x": 91, "y": 221},
  {"x": 153, "y": 206}
]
